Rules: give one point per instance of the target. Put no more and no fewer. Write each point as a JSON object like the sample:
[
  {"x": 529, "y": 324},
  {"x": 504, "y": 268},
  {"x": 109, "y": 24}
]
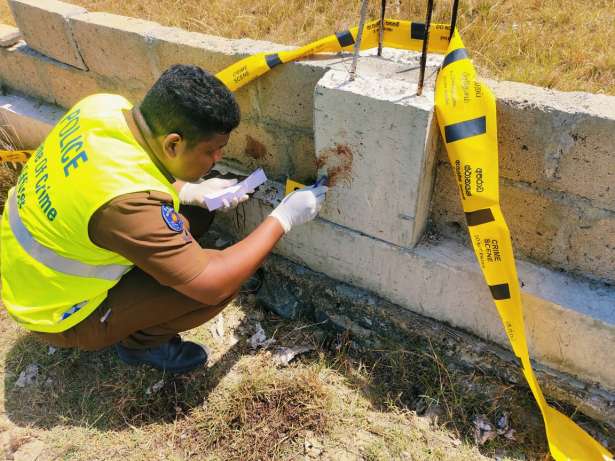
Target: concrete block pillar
[
  {"x": 376, "y": 140},
  {"x": 46, "y": 28}
]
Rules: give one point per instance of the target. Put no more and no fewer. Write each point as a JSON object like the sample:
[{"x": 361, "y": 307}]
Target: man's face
[{"x": 189, "y": 163}]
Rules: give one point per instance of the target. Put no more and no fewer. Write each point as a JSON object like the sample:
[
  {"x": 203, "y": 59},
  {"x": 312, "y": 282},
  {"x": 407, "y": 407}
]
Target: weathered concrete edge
[
  {"x": 322, "y": 294},
  {"x": 573, "y": 333},
  {"x": 27, "y": 120}
]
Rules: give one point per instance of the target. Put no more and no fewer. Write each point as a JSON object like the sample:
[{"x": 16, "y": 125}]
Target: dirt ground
[{"x": 337, "y": 401}]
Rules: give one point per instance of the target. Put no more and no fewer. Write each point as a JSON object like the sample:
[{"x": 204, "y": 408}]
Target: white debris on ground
[
  {"x": 259, "y": 338},
  {"x": 154, "y": 387},
  {"x": 284, "y": 355},
  {"x": 485, "y": 431},
  {"x": 312, "y": 447},
  {"x": 220, "y": 326},
  {"x": 28, "y": 376},
  {"x": 502, "y": 425},
  {"x": 52, "y": 350},
  {"x": 217, "y": 329}
]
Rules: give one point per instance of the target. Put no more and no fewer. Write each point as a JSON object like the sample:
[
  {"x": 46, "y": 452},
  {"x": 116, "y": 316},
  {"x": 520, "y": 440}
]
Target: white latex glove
[
  {"x": 300, "y": 206},
  {"x": 192, "y": 193}
]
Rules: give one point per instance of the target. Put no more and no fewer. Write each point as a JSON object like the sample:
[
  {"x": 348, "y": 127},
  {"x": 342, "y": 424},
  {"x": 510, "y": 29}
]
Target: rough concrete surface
[
  {"x": 547, "y": 226},
  {"x": 20, "y": 71},
  {"x": 46, "y": 28},
  {"x": 557, "y": 140},
  {"x": 442, "y": 280},
  {"x": 366, "y": 317},
  {"x": 9, "y": 35},
  {"x": 370, "y": 139},
  {"x": 27, "y": 121},
  {"x": 116, "y": 46}
]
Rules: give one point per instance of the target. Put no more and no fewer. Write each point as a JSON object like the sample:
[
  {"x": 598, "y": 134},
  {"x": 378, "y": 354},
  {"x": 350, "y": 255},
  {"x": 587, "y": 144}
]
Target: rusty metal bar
[
  {"x": 357, "y": 43},
  {"x": 419, "y": 90},
  {"x": 381, "y": 31}
]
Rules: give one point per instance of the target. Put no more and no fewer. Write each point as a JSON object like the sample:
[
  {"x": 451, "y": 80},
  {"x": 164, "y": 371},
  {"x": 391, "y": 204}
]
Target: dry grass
[
  {"x": 341, "y": 402},
  {"x": 337, "y": 403},
  {"x": 562, "y": 44}
]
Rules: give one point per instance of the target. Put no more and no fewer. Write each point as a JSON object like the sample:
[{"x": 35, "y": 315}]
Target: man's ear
[{"x": 170, "y": 144}]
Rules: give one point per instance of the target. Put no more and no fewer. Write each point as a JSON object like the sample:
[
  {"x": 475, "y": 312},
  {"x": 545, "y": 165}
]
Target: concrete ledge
[
  {"x": 570, "y": 323},
  {"x": 45, "y": 26},
  {"x": 27, "y": 121},
  {"x": 9, "y": 35},
  {"x": 368, "y": 319}
]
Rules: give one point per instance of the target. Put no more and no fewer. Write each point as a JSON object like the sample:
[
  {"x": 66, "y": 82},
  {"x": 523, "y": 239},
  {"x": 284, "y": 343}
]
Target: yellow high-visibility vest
[{"x": 53, "y": 275}]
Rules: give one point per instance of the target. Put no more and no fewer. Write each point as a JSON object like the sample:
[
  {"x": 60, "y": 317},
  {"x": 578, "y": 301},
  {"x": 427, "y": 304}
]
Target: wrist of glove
[
  {"x": 194, "y": 193},
  {"x": 299, "y": 207}
]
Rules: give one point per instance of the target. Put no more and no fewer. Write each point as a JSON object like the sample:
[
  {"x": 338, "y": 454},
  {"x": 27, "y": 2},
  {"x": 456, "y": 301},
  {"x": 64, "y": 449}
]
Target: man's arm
[{"x": 228, "y": 269}]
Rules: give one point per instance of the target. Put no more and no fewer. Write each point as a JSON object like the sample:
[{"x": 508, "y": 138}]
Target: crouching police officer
[{"x": 102, "y": 194}]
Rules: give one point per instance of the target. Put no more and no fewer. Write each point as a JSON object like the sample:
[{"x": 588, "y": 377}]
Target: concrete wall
[{"x": 557, "y": 168}]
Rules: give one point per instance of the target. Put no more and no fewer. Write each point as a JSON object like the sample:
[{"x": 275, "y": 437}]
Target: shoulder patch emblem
[{"x": 171, "y": 218}]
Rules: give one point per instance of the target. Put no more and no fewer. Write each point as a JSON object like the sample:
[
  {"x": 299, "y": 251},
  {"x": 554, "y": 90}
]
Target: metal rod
[
  {"x": 381, "y": 31},
  {"x": 419, "y": 90},
  {"x": 454, "y": 18},
  {"x": 357, "y": 43}
]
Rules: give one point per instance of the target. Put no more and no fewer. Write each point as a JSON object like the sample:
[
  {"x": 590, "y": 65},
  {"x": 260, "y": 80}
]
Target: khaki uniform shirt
[{"x": 132, "y": 226}]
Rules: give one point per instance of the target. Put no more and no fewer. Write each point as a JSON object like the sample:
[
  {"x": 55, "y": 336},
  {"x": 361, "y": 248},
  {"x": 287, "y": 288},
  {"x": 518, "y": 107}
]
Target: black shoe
[{"x": 176, "y": 356}]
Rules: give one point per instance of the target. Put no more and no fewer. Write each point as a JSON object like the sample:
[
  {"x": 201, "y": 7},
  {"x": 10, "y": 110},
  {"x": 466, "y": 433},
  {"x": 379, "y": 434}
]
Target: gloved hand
[
  {"x": 192, "y": 193},
  {"x": 300, "y": 206}
]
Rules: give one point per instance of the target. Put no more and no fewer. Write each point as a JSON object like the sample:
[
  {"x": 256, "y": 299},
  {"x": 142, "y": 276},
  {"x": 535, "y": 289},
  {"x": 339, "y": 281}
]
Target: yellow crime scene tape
[
  {"x": 466, "y": 115},
  {"x": 15, "y": 156}
]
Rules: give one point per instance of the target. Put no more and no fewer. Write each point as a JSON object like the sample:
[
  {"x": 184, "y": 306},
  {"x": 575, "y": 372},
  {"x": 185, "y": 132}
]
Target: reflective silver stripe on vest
[{"x": 54, "y": 261}]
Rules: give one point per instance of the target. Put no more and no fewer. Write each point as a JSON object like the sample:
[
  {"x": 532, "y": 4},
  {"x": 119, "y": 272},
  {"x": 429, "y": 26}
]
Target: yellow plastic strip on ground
[
  {"x": 466, "y": 114},
  {"x": 15, "y": 156}
]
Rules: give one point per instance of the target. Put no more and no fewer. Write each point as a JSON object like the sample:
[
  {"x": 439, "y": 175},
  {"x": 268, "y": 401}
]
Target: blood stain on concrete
[
  {"x": 338, "y": 163},
  {"x": 255, "y": 149}
]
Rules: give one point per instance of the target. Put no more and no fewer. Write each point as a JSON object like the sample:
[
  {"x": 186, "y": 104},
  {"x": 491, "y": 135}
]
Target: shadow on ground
[
  {"x": 96, "y": 390},
  {"x": 396, "y": 375}
]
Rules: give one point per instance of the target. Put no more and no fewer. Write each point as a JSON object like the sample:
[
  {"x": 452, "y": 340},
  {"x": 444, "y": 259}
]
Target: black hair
[{"x": 192, "y": 102}]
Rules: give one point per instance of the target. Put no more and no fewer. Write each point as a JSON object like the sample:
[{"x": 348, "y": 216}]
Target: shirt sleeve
[{"x": 134, "y": 226}]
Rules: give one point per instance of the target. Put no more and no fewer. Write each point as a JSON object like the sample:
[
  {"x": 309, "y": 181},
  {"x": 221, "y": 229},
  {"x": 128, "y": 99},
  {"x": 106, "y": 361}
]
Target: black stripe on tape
[
  {"x": 417, "y": 31},
  {"x": 455, "y": 56},
  {"x": 478, "y": 217},
  {"x": 273, "y": 60},
  {"x": 467, "y": 129},
  {"x": 500, "y": 292},
  {"x": 345, "y": 38}
]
